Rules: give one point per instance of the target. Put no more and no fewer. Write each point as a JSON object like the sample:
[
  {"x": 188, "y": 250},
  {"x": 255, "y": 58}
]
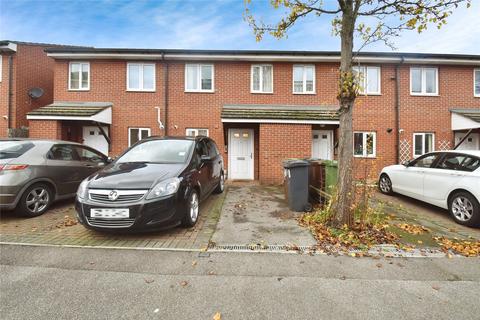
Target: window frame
[
  {"x": 196, "y": 130},
  {"x": 423, "y": 143},
  {"x": 199, "y": 78},
  {"x": 80, "y": 80},
  {"x": 304, "y": 80},
  {"x": 423, "y": 81},
  {"x": 364, "y": 142},
  {"x": 139, "y": 134},
  {"x": 261, "y": 78},
  {"x": 365, "y": 91},
  {"x": 475, "y": 70},
  {"x": 142, "y": 64}
]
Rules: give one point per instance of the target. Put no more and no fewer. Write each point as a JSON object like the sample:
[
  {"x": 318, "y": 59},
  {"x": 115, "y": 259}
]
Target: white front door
[
  {"x": 322, "y": 144},
  {"x": 240, "y": 154},
  {"x": 471, "y": 143},
  {"x": 92, "y": 137}
]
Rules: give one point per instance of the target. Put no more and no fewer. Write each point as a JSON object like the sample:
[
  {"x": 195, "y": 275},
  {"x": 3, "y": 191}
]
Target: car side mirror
[
  {"x": 406, "y": 163},
  {"x": 109, "y": 160},
  {"x": 205, "y": 158}
]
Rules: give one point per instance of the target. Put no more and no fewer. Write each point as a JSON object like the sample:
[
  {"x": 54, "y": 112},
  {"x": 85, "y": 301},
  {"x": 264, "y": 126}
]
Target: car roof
[
  {"x": 469, "y": 152},
  {"x": 190, "y": 138},
  {"x": 50, "y": 141}
]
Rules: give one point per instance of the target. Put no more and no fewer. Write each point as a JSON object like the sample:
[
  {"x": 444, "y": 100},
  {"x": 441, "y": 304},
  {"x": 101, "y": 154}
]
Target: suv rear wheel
[{"x": 464, "y": 209}]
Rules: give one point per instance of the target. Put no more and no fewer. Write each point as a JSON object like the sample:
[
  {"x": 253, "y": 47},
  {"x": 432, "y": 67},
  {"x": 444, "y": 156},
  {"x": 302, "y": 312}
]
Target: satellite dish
[{"x": 35, "y": 93}]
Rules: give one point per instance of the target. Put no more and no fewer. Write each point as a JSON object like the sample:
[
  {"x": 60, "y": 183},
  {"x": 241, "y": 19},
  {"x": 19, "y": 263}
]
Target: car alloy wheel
[
  {"x": 385, "y": 184},
  {"x": 37, "y": 200},
  {"x": 462, "y": 208},
  {"x": 193, "y": 207}
]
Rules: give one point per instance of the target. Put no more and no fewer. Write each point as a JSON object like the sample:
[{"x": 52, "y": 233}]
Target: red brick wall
[
  {"x": 45, "y": 129},
  {"x": 4, "y": 95},
  {"x": 274, "y": 148},
  {"x": 232, "y": 86}
]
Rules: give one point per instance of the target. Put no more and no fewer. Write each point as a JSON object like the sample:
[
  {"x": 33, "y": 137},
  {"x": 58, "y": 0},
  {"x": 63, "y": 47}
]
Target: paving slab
[{"x": 256, "y": 214}]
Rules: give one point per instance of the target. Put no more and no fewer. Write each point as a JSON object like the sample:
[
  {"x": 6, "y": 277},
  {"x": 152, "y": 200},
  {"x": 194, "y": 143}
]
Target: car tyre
[
  {"x": 221, "y": 184},
  {"x": 464, "y": 209},
  {"x": 385, "y": 184},
  {"x": 193, "y": 210},
  {"x": 35, "y": 200}
]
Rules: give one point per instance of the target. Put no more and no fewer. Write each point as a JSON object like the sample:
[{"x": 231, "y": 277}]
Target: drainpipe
[
  {"x": 10, "y": 90},
  {"x": 165, "y": 91},
  {"x": 397, "y": 109}
]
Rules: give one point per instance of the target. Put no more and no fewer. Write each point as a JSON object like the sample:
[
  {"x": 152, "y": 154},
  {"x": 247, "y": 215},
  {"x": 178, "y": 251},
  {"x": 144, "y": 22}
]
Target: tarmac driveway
[{"x": 258, "y": 215}]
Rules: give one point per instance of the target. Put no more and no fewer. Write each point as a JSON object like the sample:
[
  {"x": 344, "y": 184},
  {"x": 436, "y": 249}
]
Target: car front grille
[
  {"x": 110, "y": 223},
  {"x": 122, "y": 195}
]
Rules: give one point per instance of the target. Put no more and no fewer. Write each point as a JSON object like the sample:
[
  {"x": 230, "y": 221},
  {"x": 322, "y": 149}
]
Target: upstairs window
[
  {"x": 364, "y": 144},
  {"x": 137, "y": 134},
  {"x": 424, "y": 81},
  {"x": 368, "y": 79},
  {"x": 262, "y": 79},
  {"x": 199, "y": 77},
  {"x": 304, "y": 79},
  {"x": 191, "y": 132},
  {"x": 79, "y": 76},
  {"x": 476, "y": 82},
  {"x": 140, "y": 76},
  {"x": 423, "y": 143}
]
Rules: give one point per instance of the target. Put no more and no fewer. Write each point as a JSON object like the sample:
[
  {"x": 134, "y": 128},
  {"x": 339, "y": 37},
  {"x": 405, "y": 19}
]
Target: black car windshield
[
  {"x": 14, "y": 149},
  {"x": 159, "y": 151}
]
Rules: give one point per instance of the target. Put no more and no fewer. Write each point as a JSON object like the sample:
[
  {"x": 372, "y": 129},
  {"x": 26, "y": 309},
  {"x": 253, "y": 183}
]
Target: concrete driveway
[{"x": 253, "y": 214}]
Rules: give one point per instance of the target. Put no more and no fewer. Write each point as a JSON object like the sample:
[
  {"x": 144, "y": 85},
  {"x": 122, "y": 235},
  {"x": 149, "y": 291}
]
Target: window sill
[
  {"x": 260, "y": 92},
  {"x": 139, "y": 90},
  {"x": 365, "y": 157},
  {"x": 305, "y": 93},
  {"x": 199, "y": 91},
  {"x": 424, "y": 94},
  {"x": 78, "y": 90}
]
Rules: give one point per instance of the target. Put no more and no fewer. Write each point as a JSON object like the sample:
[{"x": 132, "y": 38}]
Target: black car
[{"x": 159, "y": 182}]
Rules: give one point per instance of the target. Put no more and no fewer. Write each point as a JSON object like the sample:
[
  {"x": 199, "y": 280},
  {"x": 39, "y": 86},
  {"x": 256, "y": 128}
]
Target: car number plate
[{"x": 109, "y": 213}]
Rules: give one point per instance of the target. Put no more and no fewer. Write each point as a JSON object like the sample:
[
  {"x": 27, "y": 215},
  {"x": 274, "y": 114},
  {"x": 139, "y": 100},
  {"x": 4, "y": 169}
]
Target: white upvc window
[
  {"x": 199, "y": 77},
  {"x": 137, "y": 134},
  {"x": 304, "y": 79},
  {"x": 193, "y": 132},
  {"x": 79, "y": 76},
  {"x": 141, "y": 77},
  {"x": 365, "y": 144},
  {"x": 423, "y": 142},
  {"x": 476, "y": 82},
  {"x": 261, "y": 78},
  {"x": 424, "y": 81},
  {"x": 369, "y": 79}
]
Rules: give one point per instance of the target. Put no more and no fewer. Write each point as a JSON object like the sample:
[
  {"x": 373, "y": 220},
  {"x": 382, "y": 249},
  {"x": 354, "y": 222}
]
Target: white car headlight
[
  {"x": 82, "y": 189},
  {"x": 164, "y": 188}
]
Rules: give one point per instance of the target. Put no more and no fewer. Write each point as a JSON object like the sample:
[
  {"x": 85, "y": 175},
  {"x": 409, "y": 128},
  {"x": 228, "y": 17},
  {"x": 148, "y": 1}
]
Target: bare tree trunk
[{"x": 343, "y": 213}]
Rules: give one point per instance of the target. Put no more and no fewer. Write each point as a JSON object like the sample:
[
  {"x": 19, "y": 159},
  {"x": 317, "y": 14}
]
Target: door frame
[
  {"x": 252, "y": 139},
  {"x": 330, "y": 141}
]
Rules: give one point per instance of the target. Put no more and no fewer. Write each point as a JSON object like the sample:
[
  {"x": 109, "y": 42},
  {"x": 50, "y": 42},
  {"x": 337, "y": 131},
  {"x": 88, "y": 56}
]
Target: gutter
[
  {"x": 397, "y": 109},
  {"x": 165, "y": 91},
  {"x": 10, "y": 90}
]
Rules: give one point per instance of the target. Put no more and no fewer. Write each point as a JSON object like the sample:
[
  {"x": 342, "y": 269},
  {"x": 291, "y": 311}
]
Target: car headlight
[
  {"x": 82, "y": 189},
  {"x": 164, "y": 188}
]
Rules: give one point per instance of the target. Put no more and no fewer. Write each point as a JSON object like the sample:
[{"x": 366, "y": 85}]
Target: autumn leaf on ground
[
  {"x": 149, "y": 280},
  {"x": 217, "y": 316},
  {"x": 435, "y": 287},
  {"x": 413, "y": 228},
  {"x": 184, "y": 283},
  {"x": 462, "y": 247},
  {"x": 194, "y": 263},
  {"x": 379, "y": 265}
]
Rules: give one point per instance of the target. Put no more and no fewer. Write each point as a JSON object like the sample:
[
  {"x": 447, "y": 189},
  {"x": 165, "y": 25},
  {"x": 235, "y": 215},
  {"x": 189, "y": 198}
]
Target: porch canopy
[
  {"x": 465, "y": 119},
  {"x": 100, "y": 112},
  {"x": 242, "y": 113}
]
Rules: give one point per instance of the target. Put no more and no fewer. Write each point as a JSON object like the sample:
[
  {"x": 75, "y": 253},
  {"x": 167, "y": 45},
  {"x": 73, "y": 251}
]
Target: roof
[
  {"x": 472, "y": 114},
  {"x": 40, "y": 44},
  {"x": 78, "y": 109},
  {"x": 258, "y": 55},
  {"x": 280, "y": 112}
]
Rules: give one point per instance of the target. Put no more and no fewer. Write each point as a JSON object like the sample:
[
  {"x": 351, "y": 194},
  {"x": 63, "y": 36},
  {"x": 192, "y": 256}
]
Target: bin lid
[{"x": 292, "y": 163}]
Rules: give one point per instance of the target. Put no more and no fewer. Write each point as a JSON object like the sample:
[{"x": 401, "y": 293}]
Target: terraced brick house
[
  {"x": 262, "y": 107},
  {"x": 26, "y": 83}
]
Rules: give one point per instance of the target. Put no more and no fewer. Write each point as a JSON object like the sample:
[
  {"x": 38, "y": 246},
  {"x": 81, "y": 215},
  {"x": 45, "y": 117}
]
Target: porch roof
[
  {"x": 280, "y": 114},
  {"x": 59, "y": 110},
  {"x": 463, "y": 119}
]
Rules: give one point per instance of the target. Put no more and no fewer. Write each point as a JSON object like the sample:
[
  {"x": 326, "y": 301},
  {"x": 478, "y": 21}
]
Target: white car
[{"x": 447, "y": 179}]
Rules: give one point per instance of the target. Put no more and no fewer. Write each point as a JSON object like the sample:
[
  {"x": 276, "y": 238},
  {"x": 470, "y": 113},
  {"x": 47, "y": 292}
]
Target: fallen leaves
[
  {"x": 184, "y": 283},
  {"x": 462, "y": 247},
  {"x": 435, "y": 287},
  {"x": 67, "y": 222},
  {"x": 149, "y": 280},
  {"x": 413, "y": 228},
  {"x": 217, "y": 316}
]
